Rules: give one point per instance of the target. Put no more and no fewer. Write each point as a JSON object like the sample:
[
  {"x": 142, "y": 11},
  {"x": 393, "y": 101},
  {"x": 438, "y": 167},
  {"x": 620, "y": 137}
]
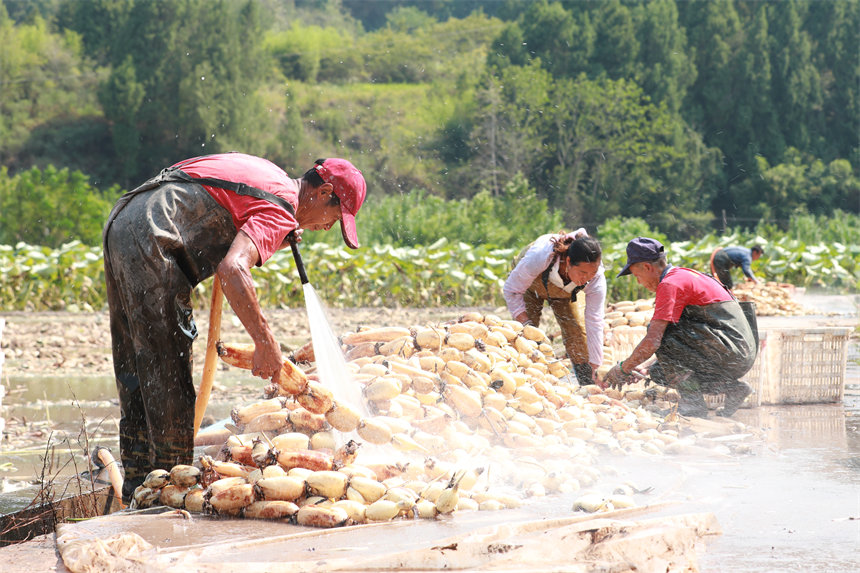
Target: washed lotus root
[{"x": 476, "y": 414}]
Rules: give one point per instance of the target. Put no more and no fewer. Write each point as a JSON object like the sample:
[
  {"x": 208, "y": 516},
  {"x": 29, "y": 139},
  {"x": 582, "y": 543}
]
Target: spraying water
[{"x": 331, "y": 364}]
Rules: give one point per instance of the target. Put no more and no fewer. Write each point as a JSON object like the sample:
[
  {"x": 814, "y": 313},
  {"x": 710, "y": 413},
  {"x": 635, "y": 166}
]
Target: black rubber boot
[
  {"x": 134, "y": 448},
  {"x": 736, "y": 393},
  {"x": 583, "y": 373},
  {"x": 692, "y": 404}
]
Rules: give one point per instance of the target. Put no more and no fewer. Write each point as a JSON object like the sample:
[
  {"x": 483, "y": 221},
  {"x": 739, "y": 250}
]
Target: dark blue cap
[{"x": 641, "y": 250}]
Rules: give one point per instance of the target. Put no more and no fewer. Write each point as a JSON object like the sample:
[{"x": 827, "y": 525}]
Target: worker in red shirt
[
  {"x": 702, "y": 340},
  {"x": 219, "y": 214}
]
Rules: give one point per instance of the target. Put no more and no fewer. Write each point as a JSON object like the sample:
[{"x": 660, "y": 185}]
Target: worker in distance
[{"x": 723, "y": 260}]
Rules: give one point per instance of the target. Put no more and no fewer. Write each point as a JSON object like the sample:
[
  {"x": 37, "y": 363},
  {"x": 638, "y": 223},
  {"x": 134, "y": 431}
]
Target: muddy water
[{"x": 52, "y": 424}]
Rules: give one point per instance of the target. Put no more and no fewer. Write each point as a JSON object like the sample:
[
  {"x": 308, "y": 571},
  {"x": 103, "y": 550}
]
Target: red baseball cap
[{"x": 349, "y": 186}]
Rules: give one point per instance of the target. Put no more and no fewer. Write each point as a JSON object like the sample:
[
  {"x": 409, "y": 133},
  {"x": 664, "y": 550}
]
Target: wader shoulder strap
[{"x": 177, "y": 174}]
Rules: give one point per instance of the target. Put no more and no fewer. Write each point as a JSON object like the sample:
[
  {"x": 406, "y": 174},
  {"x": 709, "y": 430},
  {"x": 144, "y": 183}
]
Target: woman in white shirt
[{"x": 556, "y": 268}]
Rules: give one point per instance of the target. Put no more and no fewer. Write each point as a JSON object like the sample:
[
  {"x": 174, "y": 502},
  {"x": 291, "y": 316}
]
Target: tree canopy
[{"x": 683, "y": 114}]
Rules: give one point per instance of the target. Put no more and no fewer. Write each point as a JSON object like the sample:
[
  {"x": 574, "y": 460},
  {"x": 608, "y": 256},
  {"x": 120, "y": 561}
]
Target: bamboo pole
[{"x": 211, "y": 360}]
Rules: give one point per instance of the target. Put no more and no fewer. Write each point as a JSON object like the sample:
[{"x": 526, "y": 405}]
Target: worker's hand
[
  {"x": 615, "y": 378},
  {"x": 267, "y": 362},
  {"x": 523, "y": 319},
  {"x": 292, "y": 237},
  {"x": 573, "y": 235}
]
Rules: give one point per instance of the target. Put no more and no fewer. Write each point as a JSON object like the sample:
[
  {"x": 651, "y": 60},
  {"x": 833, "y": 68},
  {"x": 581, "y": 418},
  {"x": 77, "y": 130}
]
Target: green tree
[
  {"x": 508, "y": 48},
  {"x": 833, "y": 187},
  {"x": 664, "y": 69},
  {"x": 796, "y": 84},
  {"x": 100, "y": 24},
  {"x": 548, "y": 34},
  {"x": 51, "y": 207},
  {"x": 200, "y": 94},
  {"x": 121, "y": 97},
  {"x": 299, "y": 50},
  {"x": 757, "y": 129},
  {"x": 43, "y": 79},
  {"x": 613, "y": 153},
  {"x": 617, "y": 47},
  {"x": 408, "y": 19},
  {"x": 834, "y": 28},
  {"x": 778, "y": 191},
  {"x": 714, "y": 35},
  {"x": 509, "y": 125}
]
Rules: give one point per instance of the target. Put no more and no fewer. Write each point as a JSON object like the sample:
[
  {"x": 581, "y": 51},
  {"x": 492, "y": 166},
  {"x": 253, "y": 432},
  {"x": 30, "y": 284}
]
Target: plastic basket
[{"x": 806, "y": 366}]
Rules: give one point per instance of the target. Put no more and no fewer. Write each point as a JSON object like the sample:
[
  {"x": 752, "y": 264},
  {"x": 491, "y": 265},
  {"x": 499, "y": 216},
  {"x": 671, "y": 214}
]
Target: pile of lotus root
[
  {"x": 771, "y": 299},
  {"x": 473, "y": 414}
]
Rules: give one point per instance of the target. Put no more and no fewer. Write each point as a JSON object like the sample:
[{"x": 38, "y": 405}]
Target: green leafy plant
[{"x": 448, "y": 272}]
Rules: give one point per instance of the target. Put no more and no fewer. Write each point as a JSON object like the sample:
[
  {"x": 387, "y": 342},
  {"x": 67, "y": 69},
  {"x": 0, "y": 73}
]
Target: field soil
[{"x": 78, "y": 344}]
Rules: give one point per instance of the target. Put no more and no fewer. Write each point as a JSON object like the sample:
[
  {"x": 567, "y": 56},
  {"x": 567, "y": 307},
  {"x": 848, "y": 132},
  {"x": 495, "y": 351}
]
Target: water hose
[{"x": 298, "y": 257}]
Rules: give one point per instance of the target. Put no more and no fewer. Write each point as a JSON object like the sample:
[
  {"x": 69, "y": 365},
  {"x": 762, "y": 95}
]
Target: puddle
[{"x": 54, "y": 423}]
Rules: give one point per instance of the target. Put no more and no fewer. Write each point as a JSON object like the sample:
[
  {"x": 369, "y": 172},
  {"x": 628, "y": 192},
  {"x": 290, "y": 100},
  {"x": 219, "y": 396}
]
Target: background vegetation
[
  {"x": 484, "y": 123},
  {"x": 818, "y": 252}
]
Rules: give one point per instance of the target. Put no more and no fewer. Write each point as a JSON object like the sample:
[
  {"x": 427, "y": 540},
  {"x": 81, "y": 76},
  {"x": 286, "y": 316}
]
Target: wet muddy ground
[{"x": 791, "y": 504}]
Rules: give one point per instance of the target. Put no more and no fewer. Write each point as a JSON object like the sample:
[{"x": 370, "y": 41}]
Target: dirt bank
[{"x": 78, "y": 344}]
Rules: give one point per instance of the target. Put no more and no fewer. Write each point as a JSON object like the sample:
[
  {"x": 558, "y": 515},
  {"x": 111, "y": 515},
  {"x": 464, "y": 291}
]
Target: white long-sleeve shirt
[{"x": 532, "y": 265}]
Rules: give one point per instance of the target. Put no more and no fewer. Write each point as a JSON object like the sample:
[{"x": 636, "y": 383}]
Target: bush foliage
[
  {"x": 449, "y": 272},
  {"x": 49, "y": 207}
]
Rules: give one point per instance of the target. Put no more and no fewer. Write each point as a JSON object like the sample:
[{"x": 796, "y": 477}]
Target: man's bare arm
[
  {"x": 234, "y": 272},
  {"x": 647, "y": 346}
]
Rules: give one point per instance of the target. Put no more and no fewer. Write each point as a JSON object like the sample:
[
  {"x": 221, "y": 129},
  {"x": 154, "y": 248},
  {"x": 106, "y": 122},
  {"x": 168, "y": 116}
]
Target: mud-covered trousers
[
  {"x": 159, "y": 243},
  {"x": 707, "y": 350},
  {"x": 721, "y": 266},
  {"x": 569, "y": 320}
]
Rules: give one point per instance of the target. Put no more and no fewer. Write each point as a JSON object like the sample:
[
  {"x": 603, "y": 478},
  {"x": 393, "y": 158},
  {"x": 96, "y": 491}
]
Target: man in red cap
[
  {"x": 703, "y": 340},
  {"x": 219, "y": 214}
]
